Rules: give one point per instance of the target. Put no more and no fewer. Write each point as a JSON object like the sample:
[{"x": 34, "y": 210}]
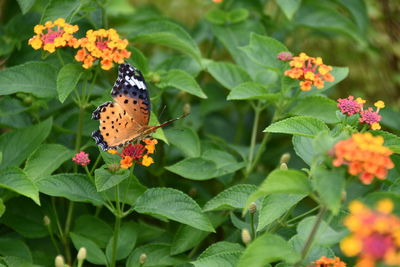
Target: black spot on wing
[{"x": 102, "y": 108}]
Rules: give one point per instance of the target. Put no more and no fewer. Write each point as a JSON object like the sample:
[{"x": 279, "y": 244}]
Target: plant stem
[
  {"x": 253, "y": 232},
  {"x": 66, "y": 231},
  {"x": 53, "y": 239},
  {"x": 79, "y": 130},
  {"x": 310, "y": 238},
  {"x": 95, "y": 164},
  {"x": 302, "y": 215},
  {"x": 257, "y": 112},
  {"x": 117, "y": 226}
]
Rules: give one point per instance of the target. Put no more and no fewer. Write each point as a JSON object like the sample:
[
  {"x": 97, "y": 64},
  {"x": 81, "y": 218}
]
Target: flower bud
[
  {"x": 46, "y": 220},
  {"x": 253, "y": 207},
  {"x": 81, "y": 254},
  {"x": 59, "y": 261},
  {"x": 114, "y": 167},
  {"x": 283, "y": 166},
  {"x": 142, "y": 258},
  {"x": 186, "y": 108},
  {"x": 284, "y": 56},
  {"x": 285, "y": 158},
  {"x": 246, "y": 237}
]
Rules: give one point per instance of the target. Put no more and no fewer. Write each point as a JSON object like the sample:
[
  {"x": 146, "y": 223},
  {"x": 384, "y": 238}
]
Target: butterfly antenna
[{"x": 170, "y": 121}]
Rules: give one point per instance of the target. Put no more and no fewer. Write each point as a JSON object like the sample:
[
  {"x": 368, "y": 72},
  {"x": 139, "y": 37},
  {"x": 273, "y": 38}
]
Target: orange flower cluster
[
  {"x": 374, "y": 234},
  {"x": 104, "y": 45},
  {"x": 328, "y": 262},
  {"x": 138, "y": 153},
  {"x": 53, "y": 35},
  {"x": 310, "y": 71},
  {"x": 365, "y": 155}
]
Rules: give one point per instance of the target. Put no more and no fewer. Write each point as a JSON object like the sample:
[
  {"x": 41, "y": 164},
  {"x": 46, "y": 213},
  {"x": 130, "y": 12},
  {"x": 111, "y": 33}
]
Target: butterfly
[{"x": 127, "y": 118}]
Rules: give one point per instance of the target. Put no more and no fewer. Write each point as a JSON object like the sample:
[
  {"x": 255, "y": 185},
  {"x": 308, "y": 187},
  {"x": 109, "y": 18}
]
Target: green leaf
[
  {"x": 25, "y": 5},
  {"x": 105, "y": 179},
  {"x": 188, "y": 237},
  {"x": 67, "y": 80},
  {"x": 2, "y": 207},
  {"x": 25, "y": 218},
  {"x": 194, "y": 168},
  {"x": 75, "y": 187},
  {"x": 37, "y": 78},
  {"x": 303, "y": 146},
  {"x": 266, "y": 249},
  {"x": 219, "y": 254},
  {"x": 185, "y": 139},
  {"x": 181, "y": 80},
  {"x": 159, "y": 133},
  {"x": 126, "y": 241},
  {"x": 358, "y": 9},
  {"x": 324, "y": 236},
  {"x": 46, "y": 159},
  {"x": 237, "y": 15},
  {"x": 206, "y": 167},
  {"x": 15, "y": 179},
  {"x": 319, "y": 107},
  {"x": 17, "y": 261},
  {"x": 252, "y": 90},
  {"x": 130, "y": 190},
  {"x": 60, "y": 9},
  {"x": 164, "y": 32},
  {"x": 320, "y": 17},
  {"x": 26, "y": 140},
  {"x": 157, "y": 255},
  {"x": 232, "y": 198},
  {"x": 264, "y": 50},
  {"x": 228, "y": 74},
  {"x": 289, "y": 7},
  {"x": 138, "y": 59},
  {"x": 15, "y": 247},
  {"x": 274, "y": 206},
  {"x": 282, "y": 181},
  {"x": 94, "y": 253},
  {"x": 330, "y": 186},
  {"x": 391, "y": 140},
  {"x": 300, "y": 125},
  {"x": 217, "y": 16},
  {"x": 315, "y": 252},
  {"x": 175, "y": 205},
  {"x": 94, "y": 229}
]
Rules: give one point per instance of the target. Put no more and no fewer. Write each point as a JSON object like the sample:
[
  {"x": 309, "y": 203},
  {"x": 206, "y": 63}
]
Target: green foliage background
[{"x": 187, "y": 209}]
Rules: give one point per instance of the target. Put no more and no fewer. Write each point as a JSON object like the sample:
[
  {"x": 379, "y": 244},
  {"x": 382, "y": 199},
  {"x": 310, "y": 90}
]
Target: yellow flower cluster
[
  {"x": 374, "y": 234},
  {"x": 104, "y": 45},
  {"x": 310, "y": 71},
  {"x": 53, "y": 35}
]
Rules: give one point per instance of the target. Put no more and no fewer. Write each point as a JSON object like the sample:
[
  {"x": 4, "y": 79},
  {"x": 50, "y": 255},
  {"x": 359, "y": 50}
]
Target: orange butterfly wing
[{"x": 126, "y": 118}]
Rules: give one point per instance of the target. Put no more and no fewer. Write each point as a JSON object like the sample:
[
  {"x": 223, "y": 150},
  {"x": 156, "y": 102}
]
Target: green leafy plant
[{"x": 268, "y": 168}]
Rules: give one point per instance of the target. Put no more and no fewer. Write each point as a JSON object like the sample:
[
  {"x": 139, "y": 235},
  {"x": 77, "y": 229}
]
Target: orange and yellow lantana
[
  {"x": 54, "y": 35},
  {"x": 103, "y": 45},
  {"x": 365, "y": 155},
  {"x": 328, "y": 262},
  {"x": 310, "y": 71},
  {"x": 374, "y": 234}
]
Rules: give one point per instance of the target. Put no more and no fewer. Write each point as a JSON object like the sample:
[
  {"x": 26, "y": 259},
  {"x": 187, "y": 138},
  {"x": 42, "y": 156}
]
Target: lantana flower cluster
[
  {"x": 350, "y": 106},
  {"x": 103, "y": 45},
  {"x": 81, "y": 158},
  {"x": 365, "y": 155},
  {"x": 310, "y": 71},
  {"x": 138, "y": 152},
  {"x": 53, "y": 35},
  {"x": 328, "y": 262},
  {"x": 374, "y": 234}
]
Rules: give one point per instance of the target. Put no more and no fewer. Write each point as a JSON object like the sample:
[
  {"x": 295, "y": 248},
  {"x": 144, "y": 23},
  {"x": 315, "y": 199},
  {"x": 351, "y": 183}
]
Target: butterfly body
[{"x": 127, "y": 118}]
